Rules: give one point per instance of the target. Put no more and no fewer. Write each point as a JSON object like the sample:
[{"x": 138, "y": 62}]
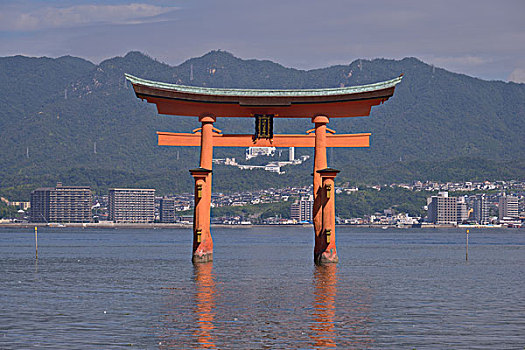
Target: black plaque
[{"x": 263, "y": 126}]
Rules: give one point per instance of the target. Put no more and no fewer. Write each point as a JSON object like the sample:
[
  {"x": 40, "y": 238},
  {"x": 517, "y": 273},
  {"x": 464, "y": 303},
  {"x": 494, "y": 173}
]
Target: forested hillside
[{"x": 70, "y": 120}]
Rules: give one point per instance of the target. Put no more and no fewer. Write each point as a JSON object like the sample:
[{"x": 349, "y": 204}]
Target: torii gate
[{"x": 208, "y": 104}]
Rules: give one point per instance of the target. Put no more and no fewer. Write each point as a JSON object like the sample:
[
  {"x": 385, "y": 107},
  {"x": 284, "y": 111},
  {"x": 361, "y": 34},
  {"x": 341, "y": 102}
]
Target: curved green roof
[{"x": 265, "y": 92}]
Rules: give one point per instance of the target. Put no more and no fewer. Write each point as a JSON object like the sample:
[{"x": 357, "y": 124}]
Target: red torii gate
[{"x": 208, "y": 104}]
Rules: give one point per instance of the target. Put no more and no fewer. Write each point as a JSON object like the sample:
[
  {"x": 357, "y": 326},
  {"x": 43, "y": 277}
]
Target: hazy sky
[{"x": 482, "y": 38}]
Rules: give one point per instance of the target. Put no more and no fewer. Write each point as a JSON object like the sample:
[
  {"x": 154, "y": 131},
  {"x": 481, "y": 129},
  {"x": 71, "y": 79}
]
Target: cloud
[
  {"x": 81, "y": 15},
  {"x": 517, "y": 75},
  {"x": 486, "y": 40},
  {"x": 460, "y": 60}
]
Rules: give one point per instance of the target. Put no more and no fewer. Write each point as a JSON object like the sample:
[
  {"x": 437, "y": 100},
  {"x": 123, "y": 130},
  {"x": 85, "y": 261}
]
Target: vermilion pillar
[
  {"x": 202, "y": 240},
  {"x": 207, "y": 141},
  {"x": 319, "y": 164},
  {"x": 326, "y": 251}
]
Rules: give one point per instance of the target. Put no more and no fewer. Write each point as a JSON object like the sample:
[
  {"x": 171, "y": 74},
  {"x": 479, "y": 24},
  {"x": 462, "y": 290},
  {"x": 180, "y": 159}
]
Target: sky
[{"x": 481, "y": 38}]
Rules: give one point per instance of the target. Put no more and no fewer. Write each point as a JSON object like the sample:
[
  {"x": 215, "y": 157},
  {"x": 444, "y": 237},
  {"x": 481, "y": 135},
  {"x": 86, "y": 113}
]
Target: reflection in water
[
  {"x": 325, "y": 290},
  {"x": 190, "y": 312},
  {"x": 205, "y": 305},
  {"x": 349, "y": 327}
]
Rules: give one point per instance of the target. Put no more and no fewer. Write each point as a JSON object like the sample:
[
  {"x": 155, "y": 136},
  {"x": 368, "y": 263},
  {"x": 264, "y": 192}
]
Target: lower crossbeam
[{"x": 279, "y": 140}]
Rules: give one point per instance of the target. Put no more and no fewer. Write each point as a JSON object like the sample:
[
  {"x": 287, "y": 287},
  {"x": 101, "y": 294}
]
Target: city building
[
  {"x": 508, "y": 207},
  {"x": 462, "y": 210},
  {"x": 442, "y": 209},
  {"x": 291, "y": 154},
  {"x": 273, "y": 167},
  {"x": 40, "y": 199},
  {"x": 131, "y": 205},
  {"x": 167, "y": 210},
  {"x": 253, "y": 152},
  {"x": 302, "y": 209},
  {"x": 481, "y": 209},
  {"x": 61, "y": 204},
  {"x": 19, "y": 204},
  {"x": 295, "y": 211}
]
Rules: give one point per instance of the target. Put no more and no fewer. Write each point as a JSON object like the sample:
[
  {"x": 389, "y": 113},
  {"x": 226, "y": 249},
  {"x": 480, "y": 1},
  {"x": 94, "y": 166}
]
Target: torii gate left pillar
[{"x": 202, "y": 240}]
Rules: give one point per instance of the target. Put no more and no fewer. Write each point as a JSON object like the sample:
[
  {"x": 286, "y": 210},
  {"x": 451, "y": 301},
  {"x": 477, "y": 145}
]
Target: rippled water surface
[{"x": 393, "y": 289}]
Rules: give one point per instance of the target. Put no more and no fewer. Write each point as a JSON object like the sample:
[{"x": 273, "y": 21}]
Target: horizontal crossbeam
[{"x": 279, "y": 140}]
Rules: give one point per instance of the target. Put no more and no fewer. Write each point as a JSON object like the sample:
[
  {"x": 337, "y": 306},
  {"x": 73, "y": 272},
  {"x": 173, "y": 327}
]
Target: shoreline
[{"x": 111, "y": 225}]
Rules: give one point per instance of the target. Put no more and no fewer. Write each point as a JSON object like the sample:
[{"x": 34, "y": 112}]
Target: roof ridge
[{"x": 265, "y": 92}]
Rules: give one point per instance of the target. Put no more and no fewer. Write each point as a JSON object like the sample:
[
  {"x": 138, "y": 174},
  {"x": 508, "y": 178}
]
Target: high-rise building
[
  {"x": 62, "y": 204},
  {"x": 508, "y": 207},
  {"x": 291, "y": 154},
  {"x": 462, "y": 210},
  {"x": 295, "y": 211},
  {"x": 253, "y": 152},
  {"x": 481, "y": 209},
  {"x": 302, "y": 210},
  {"x": 39, "y": 211},
  {"x": 167, "y": 210},
  {"x": 131, "y": 205},
  {"x": 442, "y": 209}
]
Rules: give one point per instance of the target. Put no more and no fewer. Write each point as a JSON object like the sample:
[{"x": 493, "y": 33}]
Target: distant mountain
[{"x": 61, "y": 117}]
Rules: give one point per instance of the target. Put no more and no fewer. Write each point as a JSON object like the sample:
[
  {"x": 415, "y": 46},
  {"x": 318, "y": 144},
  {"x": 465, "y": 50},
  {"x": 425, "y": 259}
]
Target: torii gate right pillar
[
  {"x": 202, "y": 240},
  {"x": 324, "y": 252}
]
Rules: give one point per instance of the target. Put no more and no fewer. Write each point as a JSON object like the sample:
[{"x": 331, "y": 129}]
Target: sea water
[{"x": 137, "y": 288}]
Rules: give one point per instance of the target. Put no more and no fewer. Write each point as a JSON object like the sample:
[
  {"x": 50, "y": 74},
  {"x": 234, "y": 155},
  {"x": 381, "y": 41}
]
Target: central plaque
[{"x": 263, "y": 126}]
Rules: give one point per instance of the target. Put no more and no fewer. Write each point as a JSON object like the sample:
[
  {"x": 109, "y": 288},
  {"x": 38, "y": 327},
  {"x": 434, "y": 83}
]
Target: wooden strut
[{"x": 279, "y": 140}]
